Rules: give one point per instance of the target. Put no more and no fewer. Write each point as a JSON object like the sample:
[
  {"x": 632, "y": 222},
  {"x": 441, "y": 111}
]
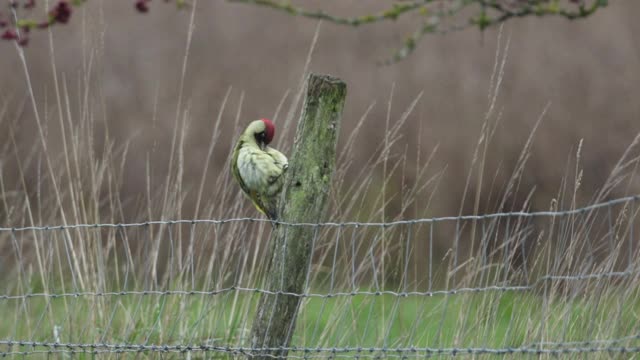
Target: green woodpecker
[{"x": 258, "y": 168}]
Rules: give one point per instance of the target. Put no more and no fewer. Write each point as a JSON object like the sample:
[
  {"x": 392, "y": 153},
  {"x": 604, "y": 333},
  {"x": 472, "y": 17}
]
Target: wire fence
[
  {"x": 523, "y": 214},
  {"x": 52, "y": 348},
  {"x": 499, "y": 284}
]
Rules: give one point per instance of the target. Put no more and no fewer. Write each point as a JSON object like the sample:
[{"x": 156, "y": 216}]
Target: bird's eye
[{"x": 260, "y": 136}]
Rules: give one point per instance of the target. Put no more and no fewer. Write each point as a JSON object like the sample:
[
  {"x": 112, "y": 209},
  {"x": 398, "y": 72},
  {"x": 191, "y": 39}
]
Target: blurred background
[
  {"x": 122, "y": 128},
  {"x": 586, "y": 71}
]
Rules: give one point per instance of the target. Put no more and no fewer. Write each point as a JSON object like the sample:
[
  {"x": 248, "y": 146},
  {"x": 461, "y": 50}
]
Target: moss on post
[{"x": 303, "y": 200}]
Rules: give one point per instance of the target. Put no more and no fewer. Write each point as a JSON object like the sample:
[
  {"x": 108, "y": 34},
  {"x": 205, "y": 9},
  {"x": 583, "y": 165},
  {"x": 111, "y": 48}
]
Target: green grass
[
  {"x": 491, "y": 319},
  {"x": 81, "y": 184}
]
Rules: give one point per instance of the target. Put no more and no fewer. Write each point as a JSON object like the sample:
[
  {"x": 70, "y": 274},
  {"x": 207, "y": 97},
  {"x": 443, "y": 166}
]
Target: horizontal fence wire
[
  {"x": 523, "y": 214},
  {"x": 373, "y": 352},
  {"x": 489, "y": 281},
  {"x": 330, "y": 295}
]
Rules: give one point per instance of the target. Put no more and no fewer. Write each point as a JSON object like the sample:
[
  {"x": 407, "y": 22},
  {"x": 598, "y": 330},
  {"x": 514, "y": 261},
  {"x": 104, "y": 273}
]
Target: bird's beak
[{"x": 262, "y": 145}]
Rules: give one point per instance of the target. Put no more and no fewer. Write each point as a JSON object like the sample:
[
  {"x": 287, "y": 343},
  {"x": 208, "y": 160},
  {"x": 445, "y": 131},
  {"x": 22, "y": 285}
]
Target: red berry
[
  {"x": 141, "y": 6},
  {"x": 9, "y": 34},
  {"x": 61, "y": 12}
]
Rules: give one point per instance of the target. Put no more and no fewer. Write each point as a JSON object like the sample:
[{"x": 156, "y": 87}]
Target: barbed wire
[
  {"x": 550, "y": 213},
  {"x": 309, "y": 352}
]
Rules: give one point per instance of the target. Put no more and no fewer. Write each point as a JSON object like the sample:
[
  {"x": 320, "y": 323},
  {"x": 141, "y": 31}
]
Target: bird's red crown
[{"x": 269, "y": 131}]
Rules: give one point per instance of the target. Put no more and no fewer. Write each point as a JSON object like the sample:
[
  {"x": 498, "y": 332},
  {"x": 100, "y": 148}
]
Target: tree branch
[{"x": 489, "y": 13}]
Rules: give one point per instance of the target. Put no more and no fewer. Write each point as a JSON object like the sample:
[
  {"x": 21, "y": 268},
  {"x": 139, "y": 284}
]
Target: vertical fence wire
[{"x": 552, "y": 282}]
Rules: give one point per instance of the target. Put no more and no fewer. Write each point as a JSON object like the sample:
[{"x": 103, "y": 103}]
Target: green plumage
[{"x": 259, "y": 169}]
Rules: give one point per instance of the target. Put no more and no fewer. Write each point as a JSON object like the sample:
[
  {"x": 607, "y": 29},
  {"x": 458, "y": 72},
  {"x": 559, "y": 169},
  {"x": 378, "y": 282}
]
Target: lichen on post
[{"x": 303, "y": 200}]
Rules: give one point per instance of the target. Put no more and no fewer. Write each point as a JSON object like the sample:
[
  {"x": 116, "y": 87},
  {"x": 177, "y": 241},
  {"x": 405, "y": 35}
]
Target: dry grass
[{"x": 81, "y": 183}]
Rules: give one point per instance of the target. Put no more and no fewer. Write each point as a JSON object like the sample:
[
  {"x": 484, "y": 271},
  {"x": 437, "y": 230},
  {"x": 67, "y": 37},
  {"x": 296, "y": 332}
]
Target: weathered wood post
[{"x": 303, "y": 200}]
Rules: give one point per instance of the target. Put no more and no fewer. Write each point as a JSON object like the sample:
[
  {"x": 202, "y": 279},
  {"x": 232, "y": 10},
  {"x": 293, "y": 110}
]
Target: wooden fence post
[{"x": 303, "y": 200}]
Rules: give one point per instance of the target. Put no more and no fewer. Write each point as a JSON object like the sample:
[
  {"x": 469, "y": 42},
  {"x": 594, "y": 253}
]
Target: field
[
  {"x": 479, "y": 321},
  {"x": 132, "y": 240}
]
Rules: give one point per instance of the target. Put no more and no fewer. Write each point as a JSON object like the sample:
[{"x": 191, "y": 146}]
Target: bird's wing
[
  {"x": 258, "y": 169},
  {"x": 235, "y": 170},
  {"x": 261, "y": 173},
  {"x": 278, "y": 158}
]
